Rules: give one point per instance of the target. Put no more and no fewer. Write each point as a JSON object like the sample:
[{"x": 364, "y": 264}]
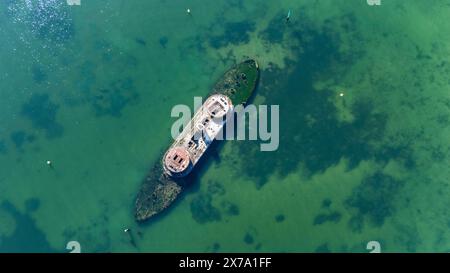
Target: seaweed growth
[
  {"x": 163, "y": 41},
  {"x": 42, "y": 114},
  {"x": 95, "y": 236},
  {"x": 373, "y": 200},
  {"x": 19, "y": 138},
  {"x": 274, "y": 31},
  {"x": 280, "y": 218},
  {"x": 26, "y": 237},
  {"x": 323, "y": 249},
  {"x": 3, "y": 149},
  {"x": 32, "y": 204},
  {"x": 39, "y": 76},
  {"x": 113, "y": 99},
  {"x": 234, "y": 33},
  {"x": 312, "y": 135},
  {"x": 203, "y": 211},
  {"x": 331, "y": 217}
]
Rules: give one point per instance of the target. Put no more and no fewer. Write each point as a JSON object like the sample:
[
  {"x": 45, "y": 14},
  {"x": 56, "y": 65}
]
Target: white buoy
[
  {"x": 341, "y": 94},
  {"x": 49, "y": 162},
  {"x": 188, "y": 11}
]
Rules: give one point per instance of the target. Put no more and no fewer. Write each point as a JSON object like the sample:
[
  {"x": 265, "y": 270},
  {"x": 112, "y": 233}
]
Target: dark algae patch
[
  {"x": 331, "y": 217},
  {"x": 140, "y": 41},
  {"x": 280, "y": 218},
  {"x": 202, "y": 208},
  {"x": 26, "y": 237},
  {"x": 203, "y": 211},
  {"x": 41, "y": 111},
  {"x": 163, "y": 41},
  {"x": 39, "y": 75},
  {"x": 323, "y": 249},
  {"x": 234, "y": 33},
  {"x": 3, "y": 149},
  {"x": 114, "y": 98},
  {"x": 373, "y": 200},
  {"x": 32, "y": 204},
  {"x": 275, "y": 30},
  {"x": 326, "y": 203},
  {"x": 230, "y": 208},
  {"x": 308, "y": 116},
  {"x": 248, "y": 239},
  {"x": 19, "y": 138}
]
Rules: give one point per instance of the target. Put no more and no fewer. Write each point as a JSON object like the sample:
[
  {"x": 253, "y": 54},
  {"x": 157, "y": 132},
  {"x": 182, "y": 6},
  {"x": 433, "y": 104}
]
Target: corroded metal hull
[{"x": 159, "y": 189}]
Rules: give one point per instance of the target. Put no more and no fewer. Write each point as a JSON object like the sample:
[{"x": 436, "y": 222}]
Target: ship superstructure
[{"x": 196, "y": 137}]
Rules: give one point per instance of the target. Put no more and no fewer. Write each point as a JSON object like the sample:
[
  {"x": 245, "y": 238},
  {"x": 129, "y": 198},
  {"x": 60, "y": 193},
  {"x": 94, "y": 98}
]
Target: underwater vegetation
[
  {"x": 326, "y": 203},
  {"x": 373, "y": 200},
  {"x": 202, "y": 209},
  {"x": 107, "y": 96},
  {"x": 41, "y": 111},
  {"x": 113, "y": 99},
  {"x": 280, "y": 218},
  {"x": 248, "y": 239},
  {"x": 3, "y": 149},
  {"x": 229, "y": 208},
  {"x": 163, "y": 41},
  {"x": 23, "y": 235},
  {"x": 234, "y": 33},
  {"x": 323, "y": 249},
  {"x": 275, "y": 29},
  {"x": 95, "y": 236},
  {"x": 310, "y": 124},
  {"x": 140, "y": 41},
  {"x": 19, "y": 138},
  {"x": 331, "y": 217},
  {"x": 32, "y": 204},
  {"x": 39, "y": 76}
]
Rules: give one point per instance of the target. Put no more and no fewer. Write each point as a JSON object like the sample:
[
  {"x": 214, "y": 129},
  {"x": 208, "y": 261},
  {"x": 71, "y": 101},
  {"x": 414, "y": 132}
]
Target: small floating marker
[
  {"x": 341, "y": 94},
  {"x": 126, "y": 230},
  {"x": 49, "y": 163},
  {"x": 188, "y": 11}
]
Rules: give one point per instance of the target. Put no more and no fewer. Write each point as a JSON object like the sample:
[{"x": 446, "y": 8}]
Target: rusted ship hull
[{"x": 160, "y": 189}]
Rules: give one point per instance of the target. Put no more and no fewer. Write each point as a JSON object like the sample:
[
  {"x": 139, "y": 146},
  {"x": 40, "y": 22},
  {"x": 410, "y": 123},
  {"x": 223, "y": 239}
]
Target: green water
[{"x": 91, "y": 87}]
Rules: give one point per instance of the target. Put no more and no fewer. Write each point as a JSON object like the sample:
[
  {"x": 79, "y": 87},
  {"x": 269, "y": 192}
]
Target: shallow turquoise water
[{"x": 91, "y": 87}]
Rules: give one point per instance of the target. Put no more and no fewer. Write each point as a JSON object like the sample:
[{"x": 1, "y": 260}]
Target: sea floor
[{"x": 364, "y": 124}]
